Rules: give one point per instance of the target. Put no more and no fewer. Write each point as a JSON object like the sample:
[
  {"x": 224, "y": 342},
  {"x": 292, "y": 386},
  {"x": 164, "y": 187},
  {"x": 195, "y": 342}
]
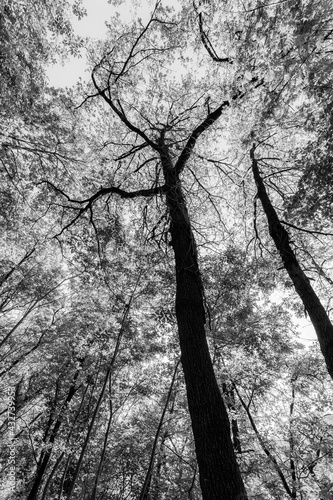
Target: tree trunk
[
  {"x": 311, "y": 302},
  {"x": 263, "y": 444},
  {"x": 220, "y": 478},
  {"x": 45, "y": 457},
  {"x": 144, "y": 494},
  {"x": 230, "y": 401}
]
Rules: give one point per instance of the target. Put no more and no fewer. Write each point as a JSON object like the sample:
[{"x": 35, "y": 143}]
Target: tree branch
[
  {"x": 208, "y": 121},
  {"x": 291, "y": 439},
  {"x": 123, "y": 117},
  {"x": 131, "y": 54},
  {"x": 10, "y": 272},
  {"x": 88, "y": 202},
  {"x": 144, "y": 490},
  {"x": 207, "y": 43},
  {"x": 262, "y": 443},
  {"x": 310, "y": 231},
  {"x": 121, "y": 114},
  {"x": 112, "y": 189}
]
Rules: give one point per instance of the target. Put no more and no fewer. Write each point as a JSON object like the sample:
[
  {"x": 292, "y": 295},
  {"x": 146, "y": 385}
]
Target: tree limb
[
  {"x": 120, "y": 113},
  {"x": 207, "y": 122},
  {"x": 88, "y": 202},
  {"x": 310, "y": 231},
  {"x": 207, "y": 43}
]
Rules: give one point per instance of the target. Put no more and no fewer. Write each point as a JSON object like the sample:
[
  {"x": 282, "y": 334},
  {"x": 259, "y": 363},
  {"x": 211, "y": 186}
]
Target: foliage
[{"x": 89, "y": 333}]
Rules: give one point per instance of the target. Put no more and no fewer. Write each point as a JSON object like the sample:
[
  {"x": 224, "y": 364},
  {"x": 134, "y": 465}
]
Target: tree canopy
[{"x": 166, "y": 233}]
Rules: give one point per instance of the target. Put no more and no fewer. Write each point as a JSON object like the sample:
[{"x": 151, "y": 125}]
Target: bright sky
[
  {"x": 307, "y": 332},
  {"x": 93, "y": 26}
]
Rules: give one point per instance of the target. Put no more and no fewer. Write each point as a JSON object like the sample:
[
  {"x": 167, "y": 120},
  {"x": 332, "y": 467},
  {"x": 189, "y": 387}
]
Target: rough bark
[
  {"x": 311, "y": 302},
  {"x": 220, "y": 478}
]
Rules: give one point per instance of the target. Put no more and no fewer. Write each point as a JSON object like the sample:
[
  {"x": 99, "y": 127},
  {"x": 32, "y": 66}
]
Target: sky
[{"x": 93, "y": 26}]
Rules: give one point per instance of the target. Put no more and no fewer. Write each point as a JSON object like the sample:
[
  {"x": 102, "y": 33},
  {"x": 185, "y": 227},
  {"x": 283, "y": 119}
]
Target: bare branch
[
  {"x": 120, "y": 113},
  {"x": 310, "y": 231},
  {"x": 208, "y": 121},
  {"x": 112, "y": 189},
  {"x": 9, "y": 273},
  {"x": 207, "y": 43},
  {"x": 131, "y": 54},
  {"x": 35, "y": 148},
  {"x": 263, "y": 444},
  {"x": 86, "y": 99},
  {"x": 133, "y": 151},
  {"x": 106, "y": 92},
  {"x": 88, "y": 202}
]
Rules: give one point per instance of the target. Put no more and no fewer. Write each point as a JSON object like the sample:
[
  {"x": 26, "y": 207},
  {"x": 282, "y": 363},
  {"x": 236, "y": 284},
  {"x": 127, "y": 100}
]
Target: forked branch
[
  {"x": 87, "y": 203},
  {"x": 120, "y": 111},
  {"x": 204, "y": 125}
]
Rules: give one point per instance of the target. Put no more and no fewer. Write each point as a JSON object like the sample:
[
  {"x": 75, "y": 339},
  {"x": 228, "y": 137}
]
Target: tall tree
[
  {"x": 312, "y": 304},
  {"x": 218, "y": 469}
]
